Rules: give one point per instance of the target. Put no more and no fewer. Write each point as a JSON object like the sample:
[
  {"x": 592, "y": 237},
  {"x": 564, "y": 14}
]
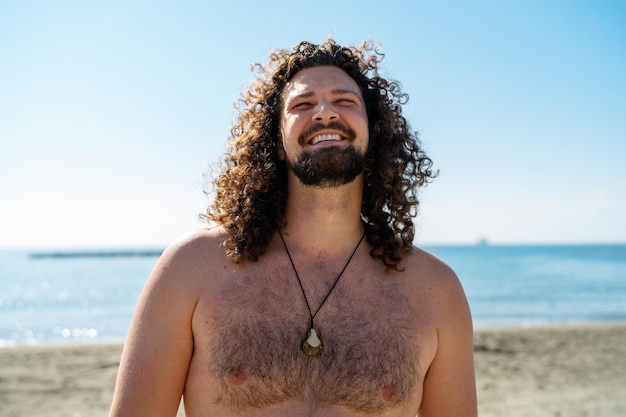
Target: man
[{"x": 307, "y": 298}]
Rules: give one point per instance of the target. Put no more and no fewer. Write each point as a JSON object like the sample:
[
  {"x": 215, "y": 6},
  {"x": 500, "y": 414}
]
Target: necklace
[{"x": 313, "y": 346}]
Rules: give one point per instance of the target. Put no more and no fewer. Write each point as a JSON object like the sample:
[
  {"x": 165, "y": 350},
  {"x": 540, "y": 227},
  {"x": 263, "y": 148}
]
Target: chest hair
[{"x": 367, "y": 326}]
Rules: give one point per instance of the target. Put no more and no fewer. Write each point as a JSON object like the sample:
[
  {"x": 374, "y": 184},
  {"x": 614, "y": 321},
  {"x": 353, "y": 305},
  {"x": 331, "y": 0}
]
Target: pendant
[{"x": 312, "y": 346}]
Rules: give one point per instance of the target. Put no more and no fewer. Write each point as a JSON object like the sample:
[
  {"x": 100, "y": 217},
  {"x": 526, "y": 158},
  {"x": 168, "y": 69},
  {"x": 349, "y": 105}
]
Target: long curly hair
[{"x": 251, "y": 190}]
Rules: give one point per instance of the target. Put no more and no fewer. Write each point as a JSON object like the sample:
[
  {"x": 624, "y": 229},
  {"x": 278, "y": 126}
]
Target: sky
[{"x": 112, "y": 113}]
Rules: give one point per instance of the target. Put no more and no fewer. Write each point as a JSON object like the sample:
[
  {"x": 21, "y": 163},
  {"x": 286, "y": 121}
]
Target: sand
[{"x": 568, "y": 371}]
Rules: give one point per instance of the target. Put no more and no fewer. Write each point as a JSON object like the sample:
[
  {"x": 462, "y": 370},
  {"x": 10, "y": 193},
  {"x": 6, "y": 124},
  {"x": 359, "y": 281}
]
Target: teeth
[{"x": 325, "y": 138}]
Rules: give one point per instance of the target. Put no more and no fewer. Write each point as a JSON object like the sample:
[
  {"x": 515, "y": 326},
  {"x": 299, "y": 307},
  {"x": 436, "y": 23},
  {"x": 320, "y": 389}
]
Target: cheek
[
  {"x": 357, "y": 118},
  {"x": 289, "y": 130},
  {"x": 288, "y": 124}
]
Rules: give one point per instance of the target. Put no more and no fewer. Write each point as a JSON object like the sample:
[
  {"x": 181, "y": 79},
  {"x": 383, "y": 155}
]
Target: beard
[{"x": 328, "y": 167}]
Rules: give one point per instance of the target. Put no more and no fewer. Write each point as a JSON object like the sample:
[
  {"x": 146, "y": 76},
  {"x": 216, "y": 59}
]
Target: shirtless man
[{"x": 307, "y": 299}]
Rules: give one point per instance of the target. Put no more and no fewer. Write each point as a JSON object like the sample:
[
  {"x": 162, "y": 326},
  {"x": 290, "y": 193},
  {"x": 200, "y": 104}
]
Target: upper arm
[
  {"x": 449, "y": 385},
  {"x": 159, "y": 344}
]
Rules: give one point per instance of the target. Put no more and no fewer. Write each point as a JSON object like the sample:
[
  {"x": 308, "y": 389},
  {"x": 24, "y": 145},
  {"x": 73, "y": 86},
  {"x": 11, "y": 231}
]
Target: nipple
[
  {"x": 236, "y": 376},
  {"x": 390, "y": 393}
]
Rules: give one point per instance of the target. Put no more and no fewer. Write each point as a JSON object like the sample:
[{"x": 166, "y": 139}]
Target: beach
[{"x": 566, "y": 370}]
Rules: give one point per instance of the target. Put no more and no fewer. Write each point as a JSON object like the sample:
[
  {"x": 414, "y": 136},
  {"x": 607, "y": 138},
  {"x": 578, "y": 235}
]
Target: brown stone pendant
[{"x": 312, "y": 346}]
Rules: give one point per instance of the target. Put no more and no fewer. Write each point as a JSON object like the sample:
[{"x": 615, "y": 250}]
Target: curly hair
[{"x": 251, "y": 190}]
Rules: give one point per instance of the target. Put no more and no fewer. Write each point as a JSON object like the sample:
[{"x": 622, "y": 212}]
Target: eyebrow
[{"x": 343, "y": 91}]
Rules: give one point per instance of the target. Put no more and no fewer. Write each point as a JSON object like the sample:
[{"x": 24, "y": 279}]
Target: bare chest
[{"x": 252, "y": 333}]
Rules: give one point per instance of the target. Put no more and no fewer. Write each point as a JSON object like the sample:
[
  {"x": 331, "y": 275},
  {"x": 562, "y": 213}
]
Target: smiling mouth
[
  {"x": 331, "y": 132},
  {"x": 326, "y": 138}
]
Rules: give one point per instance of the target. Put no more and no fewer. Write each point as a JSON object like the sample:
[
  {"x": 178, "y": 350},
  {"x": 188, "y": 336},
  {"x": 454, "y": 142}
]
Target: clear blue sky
[{"x": 110, "y": 112}]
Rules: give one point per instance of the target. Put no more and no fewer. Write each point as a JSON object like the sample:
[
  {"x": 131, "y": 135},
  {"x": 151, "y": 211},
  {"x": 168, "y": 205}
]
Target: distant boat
[{"x": 482, "y": 242}]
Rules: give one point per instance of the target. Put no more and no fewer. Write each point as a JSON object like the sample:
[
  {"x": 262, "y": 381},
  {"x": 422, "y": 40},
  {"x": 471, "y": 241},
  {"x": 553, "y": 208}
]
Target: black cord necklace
[{"x": 313, "y": 346}]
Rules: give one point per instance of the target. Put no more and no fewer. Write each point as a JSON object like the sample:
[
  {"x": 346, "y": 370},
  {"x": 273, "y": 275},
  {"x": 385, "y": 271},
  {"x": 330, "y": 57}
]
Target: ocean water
[
  {"x": 56, "y": 299},
  {"x": 534, "y": 285}
]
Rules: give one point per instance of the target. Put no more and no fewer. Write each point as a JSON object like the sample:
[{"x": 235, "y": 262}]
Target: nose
[{"x": 325, "y": 112}]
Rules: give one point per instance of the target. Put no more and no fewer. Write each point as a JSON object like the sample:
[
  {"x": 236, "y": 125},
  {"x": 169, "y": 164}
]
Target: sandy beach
[{"x": 568, "y": 371}]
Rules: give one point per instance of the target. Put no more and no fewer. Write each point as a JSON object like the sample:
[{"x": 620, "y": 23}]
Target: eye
[
  {"x": 302, "y": 105},
  {"x": 346, "y": 101}
]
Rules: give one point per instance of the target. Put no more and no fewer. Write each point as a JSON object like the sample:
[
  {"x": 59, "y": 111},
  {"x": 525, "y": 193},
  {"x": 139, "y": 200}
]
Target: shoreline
[
  {"x": 492, "y": 326},
  {"x": 572, "y": 369}
]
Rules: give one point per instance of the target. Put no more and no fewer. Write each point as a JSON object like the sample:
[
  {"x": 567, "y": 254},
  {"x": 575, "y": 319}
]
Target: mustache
[{"x": 345, "y": 130}]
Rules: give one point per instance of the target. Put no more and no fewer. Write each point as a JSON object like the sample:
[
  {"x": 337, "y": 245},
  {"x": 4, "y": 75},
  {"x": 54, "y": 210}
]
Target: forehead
[{"x": 317, "y": 80}]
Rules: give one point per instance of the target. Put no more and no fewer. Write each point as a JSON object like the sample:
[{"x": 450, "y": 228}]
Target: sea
[{"x": 53, "y": 297}]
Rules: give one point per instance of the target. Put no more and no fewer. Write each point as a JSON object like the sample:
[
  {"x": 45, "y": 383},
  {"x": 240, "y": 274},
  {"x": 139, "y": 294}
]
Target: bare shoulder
[
  {"x": 434, "y": 277},
  {"x": 192, "y": 256},
  {"x": 205, "y": 241},
  {"x": 429, "y": 268}
]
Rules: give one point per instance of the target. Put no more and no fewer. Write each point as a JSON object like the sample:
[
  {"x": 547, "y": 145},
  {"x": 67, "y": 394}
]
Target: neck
[{"x": 324, "y": 220}]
